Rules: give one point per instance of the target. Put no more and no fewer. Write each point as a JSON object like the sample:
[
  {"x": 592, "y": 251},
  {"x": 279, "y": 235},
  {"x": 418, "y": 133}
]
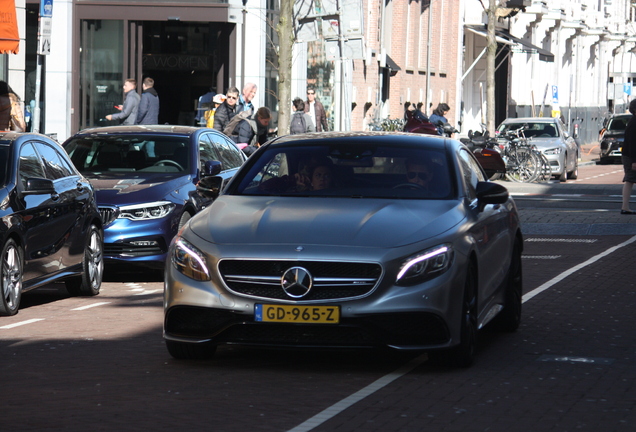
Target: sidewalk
[{"x": 590, "y": 153}]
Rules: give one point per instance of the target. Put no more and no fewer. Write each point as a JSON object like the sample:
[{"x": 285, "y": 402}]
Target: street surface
[{"x": 100, "y": 364}]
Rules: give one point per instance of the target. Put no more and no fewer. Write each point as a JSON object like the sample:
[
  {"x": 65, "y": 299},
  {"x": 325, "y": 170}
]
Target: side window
[
  {"x": 471, "y": 172},
  {"x": 230, "y": 155},
  {"x": 55, "y": 166},
  {"x": 207, "y": 151},
  {"x": 30, "y": 165}
]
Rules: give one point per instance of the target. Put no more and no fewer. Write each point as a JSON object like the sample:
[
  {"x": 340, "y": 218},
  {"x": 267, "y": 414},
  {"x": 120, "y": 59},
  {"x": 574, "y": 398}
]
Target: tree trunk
[{"x": 285, "y": 30}]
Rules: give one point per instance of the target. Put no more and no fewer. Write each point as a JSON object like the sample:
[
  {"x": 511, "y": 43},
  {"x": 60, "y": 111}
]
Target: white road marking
[
  {"x": 574, "y": 269},
  {"x": 21, "y": 323},
  {"x": 90, "y": 306},
  {"x": 541, "y": 256},
  {"x": 347, "y": 402},
  {"x": 146, "y": 292}
]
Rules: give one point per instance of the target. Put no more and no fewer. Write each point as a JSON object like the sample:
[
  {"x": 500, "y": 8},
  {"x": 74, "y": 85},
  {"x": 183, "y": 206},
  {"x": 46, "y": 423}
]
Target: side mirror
[
  {"x": 210, "y": 187},
  {"x": 491, "y": 193},
  {"x": 212, "y": 168},
  {"x": 39, "y": 186}
]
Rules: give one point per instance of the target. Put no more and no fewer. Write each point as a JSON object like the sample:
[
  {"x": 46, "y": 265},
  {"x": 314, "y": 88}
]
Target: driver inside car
[{"x": 419, "y": 173}]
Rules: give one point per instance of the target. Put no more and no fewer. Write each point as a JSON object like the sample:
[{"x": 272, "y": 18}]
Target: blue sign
[
  {"x": 555, "y": 94},
  {"x": 627, "y": 88},
  {"x": 46, "y": 8}
]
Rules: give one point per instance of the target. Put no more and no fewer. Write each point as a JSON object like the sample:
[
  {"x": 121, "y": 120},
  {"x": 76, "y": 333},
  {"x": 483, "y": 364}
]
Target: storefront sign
[{"x": 176, "y": 62}]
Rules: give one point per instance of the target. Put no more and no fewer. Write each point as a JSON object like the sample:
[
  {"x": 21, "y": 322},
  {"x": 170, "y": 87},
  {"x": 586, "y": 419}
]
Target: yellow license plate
[{"x": 297, "y": 314}]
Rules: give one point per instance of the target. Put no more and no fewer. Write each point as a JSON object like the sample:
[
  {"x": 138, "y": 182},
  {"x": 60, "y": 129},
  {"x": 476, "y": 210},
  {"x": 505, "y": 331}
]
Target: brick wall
[{"x": 405, "y": 40}]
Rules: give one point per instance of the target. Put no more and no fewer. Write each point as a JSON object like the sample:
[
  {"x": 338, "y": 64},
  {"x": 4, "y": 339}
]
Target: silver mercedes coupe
[{"x": 347, "y": 240}]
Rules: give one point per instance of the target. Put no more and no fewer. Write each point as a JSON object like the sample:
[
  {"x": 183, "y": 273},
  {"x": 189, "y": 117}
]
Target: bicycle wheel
[
  {"x": 545, "y": 171},
  {"x": 523, "y": 165}
]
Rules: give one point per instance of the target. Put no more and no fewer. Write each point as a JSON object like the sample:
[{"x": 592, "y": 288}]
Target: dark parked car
[
  {"x": 347, "y": 240},
  {"x": 50, "y": 227},
  {"x": 145, "y": 179},
  {"x": 612, "y": 137}
]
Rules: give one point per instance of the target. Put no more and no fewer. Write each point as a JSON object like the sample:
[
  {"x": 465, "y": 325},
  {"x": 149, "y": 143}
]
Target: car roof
[
  {"x": 10, "y": 137},
  {"x": 360, "y": 138},
  {"x": 144, "y": 129},
  {"x": 613, "y": 116}
]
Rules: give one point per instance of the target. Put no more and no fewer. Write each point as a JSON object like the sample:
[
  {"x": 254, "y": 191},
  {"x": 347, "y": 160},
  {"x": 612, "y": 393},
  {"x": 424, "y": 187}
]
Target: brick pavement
[{"x": 571, "y": 366}]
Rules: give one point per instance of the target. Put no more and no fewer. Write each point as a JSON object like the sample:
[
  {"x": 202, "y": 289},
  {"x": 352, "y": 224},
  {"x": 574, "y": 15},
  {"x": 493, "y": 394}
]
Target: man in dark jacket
[
  {"x": 148, "y": 111},
  {"x": 227, "y": 110},
  {"x": 128, "y": 114},
  {"x": 316, "y": 111}
]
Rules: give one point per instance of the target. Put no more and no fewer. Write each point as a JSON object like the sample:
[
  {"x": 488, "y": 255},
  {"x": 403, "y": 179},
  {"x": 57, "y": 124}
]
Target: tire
[
  {"x": 509, "y": 318},
  {"x": 92, "y": 266},
  {"x": 464, "y": 354},
  {"x": 574, "y": 174},
  {"x": 185, "y": 217},
  {"x": 11, "y": 268},
  {"x": 190, "y": 351}
]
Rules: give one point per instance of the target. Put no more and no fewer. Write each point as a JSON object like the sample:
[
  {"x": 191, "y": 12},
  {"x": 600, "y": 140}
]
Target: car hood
[
  {"x": 122, "y": 190},
  {"x": 324, "y": 221},
  {"x": 547, "y": 143},
  {"x": 614, "y": 134}
]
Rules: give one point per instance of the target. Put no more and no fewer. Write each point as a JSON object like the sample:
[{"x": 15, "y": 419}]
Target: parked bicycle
[{"x": 524, "y": 163}]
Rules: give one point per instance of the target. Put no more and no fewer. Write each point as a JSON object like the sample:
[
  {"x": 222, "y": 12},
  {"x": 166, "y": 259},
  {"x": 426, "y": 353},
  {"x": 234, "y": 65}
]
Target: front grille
[
  {"x": 131, "y": 250},
  {"x": 331, "y": 280},
  {"x": 108, "y": 214}
]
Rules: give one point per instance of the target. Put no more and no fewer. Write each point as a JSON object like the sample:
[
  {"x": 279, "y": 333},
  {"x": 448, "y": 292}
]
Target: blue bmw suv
[{"x": 145, "y": 178}]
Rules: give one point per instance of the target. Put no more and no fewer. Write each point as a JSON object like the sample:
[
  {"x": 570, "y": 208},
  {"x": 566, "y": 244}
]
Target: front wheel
[
  {"x": 574, "y": 174},
  {"x": 464, "y": 354},
  {"x": 509, "y": 318},
  {"x": 92, "y": 266},
  {"x": 11, "y": 269}
]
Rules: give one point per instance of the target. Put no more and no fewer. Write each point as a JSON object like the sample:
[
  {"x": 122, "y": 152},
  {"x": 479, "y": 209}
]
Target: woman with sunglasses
[{"x": 226, "y": 110}]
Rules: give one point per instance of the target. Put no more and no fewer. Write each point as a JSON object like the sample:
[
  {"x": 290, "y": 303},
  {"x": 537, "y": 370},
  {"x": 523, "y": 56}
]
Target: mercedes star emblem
[{"x": 297, "y": 282}]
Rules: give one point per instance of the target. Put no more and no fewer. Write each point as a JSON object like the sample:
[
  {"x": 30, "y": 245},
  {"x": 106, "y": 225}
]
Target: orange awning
[{"x": 9, "y": 37}]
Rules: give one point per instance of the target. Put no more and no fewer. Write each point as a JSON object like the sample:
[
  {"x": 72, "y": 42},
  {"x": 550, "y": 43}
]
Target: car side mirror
[
  {"x": 39, "y": 186},
  {"x": 210, "y": 187},
  {"x": 212, "y": 168},
  {"x": 491, "y": 193}
]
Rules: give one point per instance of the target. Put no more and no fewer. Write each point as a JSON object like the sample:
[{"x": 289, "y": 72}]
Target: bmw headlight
[
  {"x": 553, "y": 151},
  {"x": 426, "y": 265},
  {"x": 190, "y": 261},
  {"x": 153, "y": 210}
]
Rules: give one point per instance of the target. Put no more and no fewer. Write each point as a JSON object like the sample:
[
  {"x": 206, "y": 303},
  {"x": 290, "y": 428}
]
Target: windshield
[
  {"x": 360, "y": 171},
  {"x": 618, "y": 123},
  {"x": 114, "y": 153},
  {"x": 531, "y": 129}
]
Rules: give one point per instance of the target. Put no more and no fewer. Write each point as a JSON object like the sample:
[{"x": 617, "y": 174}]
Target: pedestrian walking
[
  {"x": 128, "y": 114},
  {"x": 629, "y": 160},
  {"x": 148, "y": 111},
  {"x": 316, "y": 111},
  {"x": 301, "y": 122},
  {"x": 11, "y": 114}
]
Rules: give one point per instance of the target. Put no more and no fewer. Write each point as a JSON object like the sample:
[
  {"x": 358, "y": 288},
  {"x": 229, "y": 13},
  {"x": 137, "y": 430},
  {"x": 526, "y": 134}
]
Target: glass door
[{"x": 108, "y": 47}]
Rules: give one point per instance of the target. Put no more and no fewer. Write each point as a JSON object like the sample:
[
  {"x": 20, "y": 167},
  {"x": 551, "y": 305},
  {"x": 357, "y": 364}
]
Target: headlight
[
  {"x": 426, "y": 265},
  {"x": 553, "y": 151},
  {"x": 154, "y": 210},
  {"x": 190, "y": 261}
]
